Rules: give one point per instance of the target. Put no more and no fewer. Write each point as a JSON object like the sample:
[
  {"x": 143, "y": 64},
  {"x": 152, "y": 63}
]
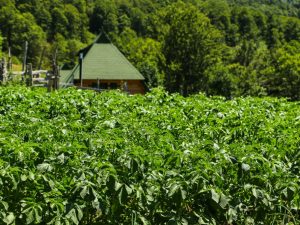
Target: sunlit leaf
[{"x": 9, "y": 219}]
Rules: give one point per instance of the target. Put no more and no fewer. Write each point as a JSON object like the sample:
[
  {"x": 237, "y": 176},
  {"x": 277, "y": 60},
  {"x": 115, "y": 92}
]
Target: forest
[{"x": 230, "y": 48}]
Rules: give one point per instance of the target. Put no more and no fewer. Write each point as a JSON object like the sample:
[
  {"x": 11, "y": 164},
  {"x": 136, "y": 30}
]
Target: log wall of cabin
[{"x": 133, "y": 86}]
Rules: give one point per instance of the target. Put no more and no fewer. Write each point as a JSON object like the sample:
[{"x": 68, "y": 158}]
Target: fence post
[
  {"x": 56, "y": 77},
  {"x": 29, "y": 75},
  {"x": 3, "y": 71},
  {"x": 50, "y": 80},
  {"x": 25, "y": 56}
]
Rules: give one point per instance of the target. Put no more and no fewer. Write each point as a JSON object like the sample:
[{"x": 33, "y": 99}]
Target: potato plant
[{"x": 80, "y": 157}]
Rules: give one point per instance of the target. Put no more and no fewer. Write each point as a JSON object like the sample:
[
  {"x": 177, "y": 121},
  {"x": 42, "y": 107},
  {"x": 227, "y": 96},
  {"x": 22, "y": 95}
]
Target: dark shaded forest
[{"x": 230, "y": 48}]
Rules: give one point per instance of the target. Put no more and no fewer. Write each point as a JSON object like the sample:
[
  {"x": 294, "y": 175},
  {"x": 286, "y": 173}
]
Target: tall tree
[
  {"x": 285, "y": 80},
  {"x": 246, "y": 22},
  {"x": 219, "y": 13},
  {"x": 145, "y": 54},
  {"x": 191, "y": 45},
  {"x": 292, "y": 29},
  {"x": 20, "y": 27},
  {"x": 104, "y": 16}
]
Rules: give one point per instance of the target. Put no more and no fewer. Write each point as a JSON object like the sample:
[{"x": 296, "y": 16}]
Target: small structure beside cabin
[{"x": 103, "y": 66}]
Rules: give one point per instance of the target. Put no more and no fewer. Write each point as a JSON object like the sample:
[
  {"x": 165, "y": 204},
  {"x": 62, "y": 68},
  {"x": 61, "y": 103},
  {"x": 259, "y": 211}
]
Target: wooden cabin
[{"x": 102, "y": 66}]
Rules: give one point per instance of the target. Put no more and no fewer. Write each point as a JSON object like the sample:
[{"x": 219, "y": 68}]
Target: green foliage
[
  {"x": 285, "y": 79},
  {"x": 221, "y": 80},
  {"x": 104, "y": 16},
  {"x": 186, "y": 46},
  {"x": 189, "y": 44},
  {"x": 39, "y": 22},
  {"x": 1, "y": 39},
  {"x": 219, "y": 13},
  {"x": 78, "y": 157},
  {"x": 292, "y": 29},
  {"x": 145, "y": 54}
]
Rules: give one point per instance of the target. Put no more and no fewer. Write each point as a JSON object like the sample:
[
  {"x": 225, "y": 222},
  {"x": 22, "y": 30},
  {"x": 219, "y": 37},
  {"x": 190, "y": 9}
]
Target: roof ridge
[
  {"x": 127, "y": 61},
  {"x": 105, "y": 40},
  {"x": 108, "y": 62}
]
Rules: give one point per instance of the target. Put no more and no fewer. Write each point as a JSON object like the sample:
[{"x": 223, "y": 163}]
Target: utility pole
[
  {"x": 9, "y": 60},
  {"x": 53, "y": 76},
  {"x": 42, "y": 57},
  {"x": 25, "y": 56}
]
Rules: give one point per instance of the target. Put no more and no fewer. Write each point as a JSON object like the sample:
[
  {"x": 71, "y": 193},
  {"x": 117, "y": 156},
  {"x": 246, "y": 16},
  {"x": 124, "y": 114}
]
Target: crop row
[{"x": 79, "y": 157}]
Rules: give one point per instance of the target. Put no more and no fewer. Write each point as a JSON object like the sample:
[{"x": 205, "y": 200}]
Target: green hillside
[{"x": 230, "y": 48}]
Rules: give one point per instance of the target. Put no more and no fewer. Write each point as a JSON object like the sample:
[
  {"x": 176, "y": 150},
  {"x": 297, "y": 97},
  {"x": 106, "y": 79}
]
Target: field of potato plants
[{"x": 80, "y": 157}]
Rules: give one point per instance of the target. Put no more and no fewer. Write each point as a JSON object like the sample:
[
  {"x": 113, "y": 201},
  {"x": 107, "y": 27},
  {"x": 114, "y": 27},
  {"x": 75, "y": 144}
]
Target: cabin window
[
  {"x": 113, "y": 85},
  {"x": 103, "y": 86},
  {"x": 94, "y": 85}
]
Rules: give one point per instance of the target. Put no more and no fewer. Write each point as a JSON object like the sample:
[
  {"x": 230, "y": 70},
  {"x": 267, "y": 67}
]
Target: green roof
[
  {"x": 64, "y": 74},
  {"x": 105, "y": 62}
]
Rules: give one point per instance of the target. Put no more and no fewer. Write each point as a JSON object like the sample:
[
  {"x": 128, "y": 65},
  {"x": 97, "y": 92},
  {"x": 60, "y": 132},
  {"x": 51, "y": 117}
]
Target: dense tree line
[
  {"x": 230, "y": 48},
  {"x": 0, "y": 45}
]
